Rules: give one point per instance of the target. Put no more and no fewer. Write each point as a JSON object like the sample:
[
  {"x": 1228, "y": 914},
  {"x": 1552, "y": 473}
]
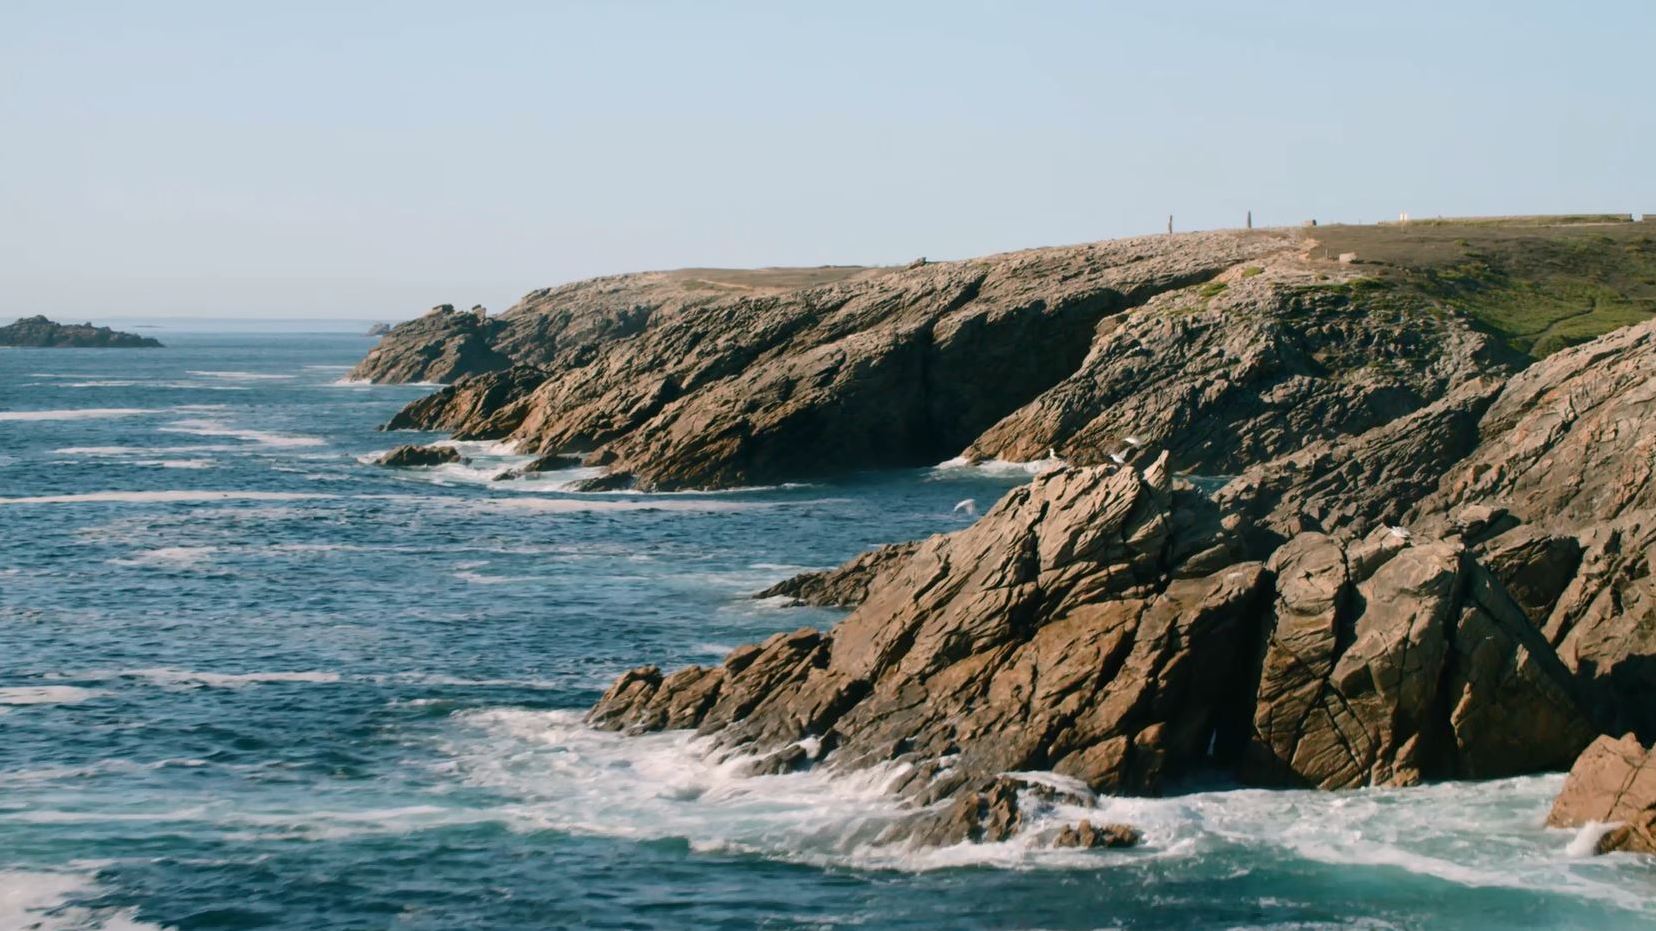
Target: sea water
[{"x": 249, "y": 679}]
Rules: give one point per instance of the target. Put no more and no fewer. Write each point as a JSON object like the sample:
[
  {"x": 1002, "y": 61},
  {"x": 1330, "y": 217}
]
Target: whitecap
[
  {"x": 239, "y": 376},
  {"x": 220, "y": 428},
  {"x": 83, "y": 413},
  {"x": 46, "y": 695},
  {"x": 188, "y": 678},
  {"x": 173, "y": 496},
  {"x": 171, "y": 557},
  {"x": 39, "y": 900},
  {"x": 960, "y": 465}
]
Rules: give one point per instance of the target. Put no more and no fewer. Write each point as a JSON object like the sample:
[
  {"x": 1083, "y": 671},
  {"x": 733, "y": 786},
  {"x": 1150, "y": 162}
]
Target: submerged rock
[
  {"x": 409, "y": 456},
  {"x": 40, "y": 332},
  {"x": 1613, "y": 784}
]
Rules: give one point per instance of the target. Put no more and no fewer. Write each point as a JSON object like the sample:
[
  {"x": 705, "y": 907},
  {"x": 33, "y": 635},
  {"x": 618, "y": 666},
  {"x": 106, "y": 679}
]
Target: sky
[{"x": 372, "y": 159}]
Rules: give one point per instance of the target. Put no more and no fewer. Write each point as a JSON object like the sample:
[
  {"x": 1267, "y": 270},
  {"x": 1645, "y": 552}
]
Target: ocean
[{"x": 250, "y": 680}]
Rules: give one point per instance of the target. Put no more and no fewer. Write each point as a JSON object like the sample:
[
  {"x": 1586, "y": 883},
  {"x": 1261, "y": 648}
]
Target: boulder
[
  {"x": 1087, "y": 836},
  {"x": 1612, "y": 784},
  {"x": 440, "y": 346},
  {"x": 411, "y": 456}
]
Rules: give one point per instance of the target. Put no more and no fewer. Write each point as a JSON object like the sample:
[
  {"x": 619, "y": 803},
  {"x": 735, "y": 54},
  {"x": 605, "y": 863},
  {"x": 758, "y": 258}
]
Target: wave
[
  {"x": 239, "y": 376},
  {"x": 171, "y": 557},
  {"x": 998, "y": 467},
  {"x": 152, "y": 497},
  {"x": 188, "y": 678},
  {"x": 43, "y": 900},
  {"x": 569, "y": 777},
  {"x": 82, "y": 413},
  {"x": 47, "y": 695},
  {"x": 220, "y": 428}
]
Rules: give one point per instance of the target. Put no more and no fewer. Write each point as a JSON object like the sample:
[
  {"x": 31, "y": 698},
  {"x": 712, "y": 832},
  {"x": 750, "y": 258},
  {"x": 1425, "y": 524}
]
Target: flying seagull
[{"x": 967, "y": 507}]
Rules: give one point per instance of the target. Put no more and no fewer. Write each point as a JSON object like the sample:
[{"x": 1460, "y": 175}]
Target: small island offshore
[{"x": 37, "y": 331}]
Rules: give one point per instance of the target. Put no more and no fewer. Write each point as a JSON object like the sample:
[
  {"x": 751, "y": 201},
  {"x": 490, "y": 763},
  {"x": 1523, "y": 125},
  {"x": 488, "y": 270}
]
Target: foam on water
[
  {"x": 240, "y": 376},
  {"x": 37, "y": 900},
  {"x": 960, "y": 465},
  {"x": 81, "y": 413},
  {"x": 188, "y": 678},
  {"x": 154, "y": 497},
  {"x": 567, "y": 776},
  {"x": 202, "y": 427},
  {"x": 46, "y": 695}
]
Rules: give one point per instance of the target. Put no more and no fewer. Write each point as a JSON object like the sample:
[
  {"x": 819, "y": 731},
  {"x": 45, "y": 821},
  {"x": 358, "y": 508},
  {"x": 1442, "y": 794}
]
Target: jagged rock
[
  {"x": 552, "y": 462},
  {"x": 1560, "y": 498},
  {"x": 717, "y": 379},
  {"x": 1087, "y": 836},
  {"x": 1391, "y": 661},
  {"x": 1569, "y": 442},
  {"x": 1053, "y": 634},
  {"x": 482, "y": 406},
  {"x": 41, "y": 332},
  {"x": 1614, "y": 784},
  {"x": 1352, "y": 484},
  {"x": 842, "y": 587},
  {"x": 441, "y": 346},
  {"x": 1245, "y": 370},
  {"x": 378, "y": 329},
  {"x": 410, "y": 456}
]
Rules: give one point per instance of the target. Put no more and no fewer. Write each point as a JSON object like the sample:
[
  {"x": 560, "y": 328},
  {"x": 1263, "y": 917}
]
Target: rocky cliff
[
  {"x": 1223, "y": 349},
  {"x": 1317, "y": 527},
  {"x": 39, "y": 331},
  {"x": 1462, "y": 592}
]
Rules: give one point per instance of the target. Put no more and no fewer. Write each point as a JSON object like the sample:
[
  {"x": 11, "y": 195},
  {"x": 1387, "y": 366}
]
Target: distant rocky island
[
  {"x": 1334, "y": 507},
  {"x": 378, "y": 329},
  {"x": 39, "y": 331}
]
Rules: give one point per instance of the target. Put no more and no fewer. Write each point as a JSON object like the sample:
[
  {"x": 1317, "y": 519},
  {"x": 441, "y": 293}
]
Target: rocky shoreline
[{"x": 1315, "y": 529}]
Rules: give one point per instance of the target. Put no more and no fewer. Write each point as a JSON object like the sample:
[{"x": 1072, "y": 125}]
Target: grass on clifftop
[{"x": 1541, "y": 288}]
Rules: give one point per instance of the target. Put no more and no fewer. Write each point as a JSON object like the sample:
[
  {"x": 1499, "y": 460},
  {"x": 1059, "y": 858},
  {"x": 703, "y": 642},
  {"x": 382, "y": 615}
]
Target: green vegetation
[
  {"x": 1540, "y": 287},
  {"x": 1212, "y": 289},
  {"x": 1252, "y": 270}
]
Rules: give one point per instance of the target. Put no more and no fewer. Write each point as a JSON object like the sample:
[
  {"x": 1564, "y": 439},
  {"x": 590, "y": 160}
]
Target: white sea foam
[
  {"x": 147, "y": 450},
  {"x": 176, "y": 463},
  {"x": 82, "y": 413},
  {"x": 171, "y": 557},
  {"x": 201, "y": 427},
  {"x": 583, "y": 505},
  {"x": 568, "y": 777},
  {"x": 478, "y": 578},
  {"x": 960, "y": 465},
  {"x": 172, "y": 496},
  {"x": 240, "y": 376},
  {"x": 188, "y": 678},
  {"x": 46, "y": 695},
  {"x": 39, "y": 900}
]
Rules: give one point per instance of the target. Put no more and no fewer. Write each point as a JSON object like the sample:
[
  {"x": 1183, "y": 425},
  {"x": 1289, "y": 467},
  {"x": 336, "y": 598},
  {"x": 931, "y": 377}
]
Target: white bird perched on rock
[
  {"x": 1118, "y": 458},
  {"x": 1400, "y": 533},
  {"x": 967, "y": 507}
]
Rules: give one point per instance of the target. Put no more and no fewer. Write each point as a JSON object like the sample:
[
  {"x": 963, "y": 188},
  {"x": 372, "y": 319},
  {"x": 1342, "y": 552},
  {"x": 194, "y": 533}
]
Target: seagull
[
  {"x": 1134, "y": 441},
  {"x": 1052, "y": 452},
  {"x": 967, "y": 507},
  {"x": 1118, "y": 458},
  {"x": 1400, "y": 533}
]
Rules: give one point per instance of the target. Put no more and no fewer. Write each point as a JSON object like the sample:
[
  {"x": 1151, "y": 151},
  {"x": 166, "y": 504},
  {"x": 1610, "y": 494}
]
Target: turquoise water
[{"x": 249, "y": 681}]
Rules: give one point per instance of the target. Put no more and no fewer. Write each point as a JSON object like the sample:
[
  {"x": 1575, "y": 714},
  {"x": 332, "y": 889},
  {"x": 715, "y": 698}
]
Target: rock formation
[
  {"x": 1318, "y": 529},
  {"x": 1613, "y": 784},
  {"x": 411, "y": 456},
  {"x": 441, "y": 346},
  {"x": 41, "y": 332}
]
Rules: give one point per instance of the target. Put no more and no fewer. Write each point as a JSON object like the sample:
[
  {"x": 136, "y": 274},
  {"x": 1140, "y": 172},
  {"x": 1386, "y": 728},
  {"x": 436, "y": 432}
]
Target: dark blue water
[{"x": 248, "y": 681}]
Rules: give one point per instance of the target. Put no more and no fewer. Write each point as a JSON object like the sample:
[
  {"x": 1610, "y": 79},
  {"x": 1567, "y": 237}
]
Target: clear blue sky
[{"x": 371, "y": 159}]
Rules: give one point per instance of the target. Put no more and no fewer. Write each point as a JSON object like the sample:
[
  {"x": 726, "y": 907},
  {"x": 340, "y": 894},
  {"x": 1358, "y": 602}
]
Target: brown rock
[
  {"x": 844, "y": 587},
  {"x": 1087, "y": 836},
  {"x": 411, "y": 456},
  {"x": 1612, "y": 783}
]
